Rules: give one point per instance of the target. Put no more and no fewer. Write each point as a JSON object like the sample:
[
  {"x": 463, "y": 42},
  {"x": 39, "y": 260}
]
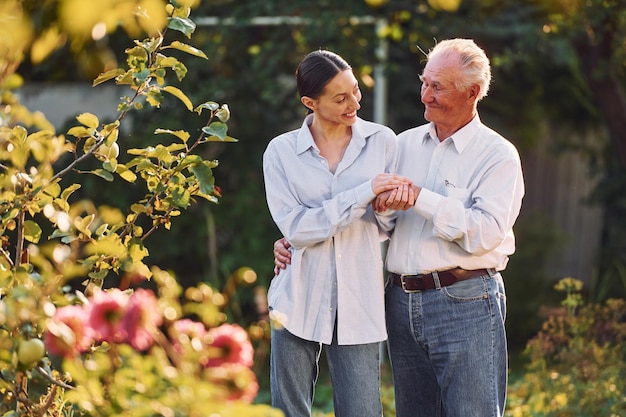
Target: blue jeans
[
  {"x": 448, "y": 349},
  {"x": 354, "y": 372}
]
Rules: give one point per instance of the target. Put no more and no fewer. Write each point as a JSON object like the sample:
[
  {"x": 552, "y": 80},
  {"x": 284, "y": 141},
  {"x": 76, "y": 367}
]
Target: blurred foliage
[
  {"x": 577, "y": 362},
  {"x": 70, "y": 344},
  {"x": 529, "y": 289}
]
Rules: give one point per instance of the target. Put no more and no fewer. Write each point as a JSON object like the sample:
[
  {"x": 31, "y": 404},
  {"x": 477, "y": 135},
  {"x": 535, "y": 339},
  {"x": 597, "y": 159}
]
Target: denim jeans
[
  {"x": 448, "y": 349},
  {"x": 354, "y": 372}
]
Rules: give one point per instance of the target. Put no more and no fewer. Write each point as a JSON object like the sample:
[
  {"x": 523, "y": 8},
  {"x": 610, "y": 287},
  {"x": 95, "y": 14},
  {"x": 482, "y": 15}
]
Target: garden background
[{"x": 558, "y": 94}]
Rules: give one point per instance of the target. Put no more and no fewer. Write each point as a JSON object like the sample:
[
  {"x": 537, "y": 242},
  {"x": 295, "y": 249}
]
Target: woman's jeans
[
  {"x": 448, "y": 349},
  {"x": 354, "y": 372}
]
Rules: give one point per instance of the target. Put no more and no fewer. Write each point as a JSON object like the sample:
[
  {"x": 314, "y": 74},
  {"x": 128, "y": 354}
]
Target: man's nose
[{"x": 426, "y": 94}]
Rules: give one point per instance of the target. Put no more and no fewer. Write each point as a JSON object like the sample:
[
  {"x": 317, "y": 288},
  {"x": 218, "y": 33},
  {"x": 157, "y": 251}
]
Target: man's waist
[{"x": 423, "y": 282}]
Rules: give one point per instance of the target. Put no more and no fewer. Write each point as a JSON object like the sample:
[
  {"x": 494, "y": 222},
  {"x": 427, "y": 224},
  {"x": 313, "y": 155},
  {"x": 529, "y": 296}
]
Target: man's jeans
[
  {"x": 448, "y": 349},
  {"x": 354, "y": 372}
]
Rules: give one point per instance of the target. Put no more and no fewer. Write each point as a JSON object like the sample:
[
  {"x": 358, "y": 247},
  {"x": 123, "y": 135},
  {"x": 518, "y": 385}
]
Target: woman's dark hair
[{"x": 316, "y": 70}]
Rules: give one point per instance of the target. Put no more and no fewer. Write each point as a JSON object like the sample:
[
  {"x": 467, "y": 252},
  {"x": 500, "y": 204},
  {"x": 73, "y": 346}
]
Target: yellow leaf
[
  {"x": 180, "y": 95},
  {"x": 82, "y": 224},
  {"x": 43, "y": 46},
  {"x": 180, "y": 134},
  {"x": 187, "y": 48},
  {"x": 88, "y": 119}
]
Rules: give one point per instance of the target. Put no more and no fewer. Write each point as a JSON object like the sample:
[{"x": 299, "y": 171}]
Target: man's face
[{"x": 443, "y": 103}]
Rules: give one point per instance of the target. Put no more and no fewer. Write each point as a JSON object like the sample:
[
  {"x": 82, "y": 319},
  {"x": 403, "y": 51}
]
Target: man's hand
[
  {"x": 401, "y": 198},
  {"x": 282, "y": 255}
]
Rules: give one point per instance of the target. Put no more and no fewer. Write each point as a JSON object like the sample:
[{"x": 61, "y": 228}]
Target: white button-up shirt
[
  {"x": 472, "y": 189},
  {"x": 336, "y": 270}
]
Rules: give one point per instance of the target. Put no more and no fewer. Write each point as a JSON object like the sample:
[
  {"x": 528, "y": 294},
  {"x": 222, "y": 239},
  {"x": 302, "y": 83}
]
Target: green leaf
[
  {"x": 32, "y": 231},
  {"x": 142, "y": 75},
  {"x": 204, "y": 176},
  {"x": 209, "y": 105},
  {"x": 180, "y": 95},
  {"x": 106, "y": 76},
  {"x": 223, "y": 113},
  {"x": 189, "y": 160},
  {"x": 218, "y": 129},
  {"x": 154, "y": 98},
  {"x": 187, "y": 48},
  {"x": 103, "y": 174},
  {"x": 183, "y": 25},
  {"x": 110, "y": 165},
  {"x": 218, "y": 139},
  {"x": 99, "y": 274},
  {"x": 181, "y": 196}
]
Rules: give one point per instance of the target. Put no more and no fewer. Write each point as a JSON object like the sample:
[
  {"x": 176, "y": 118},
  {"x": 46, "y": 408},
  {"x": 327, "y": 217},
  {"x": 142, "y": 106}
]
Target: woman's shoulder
[
  {"x": 286, "y": 139},
  {"x": 367, "y": 128}
]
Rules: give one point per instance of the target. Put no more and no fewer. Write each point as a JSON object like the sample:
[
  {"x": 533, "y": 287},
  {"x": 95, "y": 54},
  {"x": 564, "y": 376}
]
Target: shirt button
[{"x": 339, "y": 256}]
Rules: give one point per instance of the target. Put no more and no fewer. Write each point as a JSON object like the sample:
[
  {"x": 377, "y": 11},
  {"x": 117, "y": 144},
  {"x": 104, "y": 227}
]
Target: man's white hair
[{"x": 474, "y": 63}]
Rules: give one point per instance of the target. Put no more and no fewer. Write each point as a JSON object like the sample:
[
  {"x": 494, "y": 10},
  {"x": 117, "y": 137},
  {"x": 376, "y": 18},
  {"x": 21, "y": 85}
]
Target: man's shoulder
[{"x": 491, "y": 139}]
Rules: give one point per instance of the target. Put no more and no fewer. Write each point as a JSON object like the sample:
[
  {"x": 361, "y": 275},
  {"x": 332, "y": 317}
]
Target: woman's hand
[
  {"x": 282, "y": 255},
  {"x": 386, "y": 182}
]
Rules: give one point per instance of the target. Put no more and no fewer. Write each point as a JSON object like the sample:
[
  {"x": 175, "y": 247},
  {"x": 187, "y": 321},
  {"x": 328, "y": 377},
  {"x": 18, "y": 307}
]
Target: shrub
[
  {"x": 68, "y": 344},
  {"x": 577, "y": 362}
]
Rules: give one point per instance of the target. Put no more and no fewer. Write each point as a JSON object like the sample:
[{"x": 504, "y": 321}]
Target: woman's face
[{"x": 339, "y": 100}]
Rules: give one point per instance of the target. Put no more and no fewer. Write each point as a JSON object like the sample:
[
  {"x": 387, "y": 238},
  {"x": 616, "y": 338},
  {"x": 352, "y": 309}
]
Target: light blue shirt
[
  {"x": 336, "y": 270},
  {"x": 472, "y": 189}
]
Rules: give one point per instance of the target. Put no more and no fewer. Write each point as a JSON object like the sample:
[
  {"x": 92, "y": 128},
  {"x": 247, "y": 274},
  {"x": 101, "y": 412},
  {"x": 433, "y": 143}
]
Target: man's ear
[
  {"x": 473, "y": 92},
  {"x": 308, "y": 102}
]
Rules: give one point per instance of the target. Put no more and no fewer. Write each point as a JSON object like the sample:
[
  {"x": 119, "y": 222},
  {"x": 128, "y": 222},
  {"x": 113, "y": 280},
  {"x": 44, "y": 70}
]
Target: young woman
[{"x": 320, "y": 180}]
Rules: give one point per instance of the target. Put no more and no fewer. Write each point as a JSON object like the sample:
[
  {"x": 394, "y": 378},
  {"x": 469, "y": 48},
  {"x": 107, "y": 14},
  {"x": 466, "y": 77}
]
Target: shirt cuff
[
  {"x": 426, "y": 203},
  {"x": 364, "y": 194}
]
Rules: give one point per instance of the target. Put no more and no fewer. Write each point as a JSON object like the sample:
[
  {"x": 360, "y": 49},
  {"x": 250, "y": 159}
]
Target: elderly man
[{"x": 451, "y": 234}]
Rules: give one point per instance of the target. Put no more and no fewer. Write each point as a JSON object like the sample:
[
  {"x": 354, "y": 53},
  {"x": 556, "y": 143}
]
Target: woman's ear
[{"x": 308, "y": 102}]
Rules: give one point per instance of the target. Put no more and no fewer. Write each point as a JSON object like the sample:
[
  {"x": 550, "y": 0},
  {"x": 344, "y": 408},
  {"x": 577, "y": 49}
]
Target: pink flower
[
  {"x": 238, "y": 382},
  {"x": 187, "y": 332},
  {"x": 67, "y": 333},
  {"x": 229, "y": 343},
  {"x": 106, "y": 314},
  {"x": 142, "y": 319}
]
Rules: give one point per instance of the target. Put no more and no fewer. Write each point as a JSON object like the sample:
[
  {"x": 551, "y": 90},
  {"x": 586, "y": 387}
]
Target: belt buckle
[{"x": 404, "y": 288}]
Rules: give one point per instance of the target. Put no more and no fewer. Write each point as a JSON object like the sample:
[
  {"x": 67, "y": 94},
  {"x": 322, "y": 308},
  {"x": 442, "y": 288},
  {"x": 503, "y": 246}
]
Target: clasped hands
[{"x": 393, "y": 192}]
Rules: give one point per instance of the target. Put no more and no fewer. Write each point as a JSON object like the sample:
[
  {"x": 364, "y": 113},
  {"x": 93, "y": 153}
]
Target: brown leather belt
[{"x": 423, "y": 282}]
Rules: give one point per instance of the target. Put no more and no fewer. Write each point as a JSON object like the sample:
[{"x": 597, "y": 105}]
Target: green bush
[
  {"x": 577, "y": 362},
  {"x": 70, "y": 344}
]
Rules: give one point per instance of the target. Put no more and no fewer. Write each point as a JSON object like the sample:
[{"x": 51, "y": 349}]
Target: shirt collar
[
  {"x": 360, "y": 130},
  {"x": 462, "y": 137}
]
